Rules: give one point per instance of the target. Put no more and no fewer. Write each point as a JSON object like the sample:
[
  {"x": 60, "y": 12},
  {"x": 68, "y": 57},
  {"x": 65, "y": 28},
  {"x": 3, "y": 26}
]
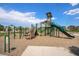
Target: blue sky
[{"x": 64, "y": 14}]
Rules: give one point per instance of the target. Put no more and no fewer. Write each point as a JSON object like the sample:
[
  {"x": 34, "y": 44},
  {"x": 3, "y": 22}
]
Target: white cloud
[
  {"x": 53, "y": 18},
  {"x": 72, "y": 12},
  {"x": 19, "y": 16},
  {"x": 74, "y": 4}
]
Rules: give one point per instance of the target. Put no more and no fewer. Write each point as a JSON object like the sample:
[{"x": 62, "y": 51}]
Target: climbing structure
[
  {"x": 50, "y": 27},
  {"x": 32, "y": 32}
]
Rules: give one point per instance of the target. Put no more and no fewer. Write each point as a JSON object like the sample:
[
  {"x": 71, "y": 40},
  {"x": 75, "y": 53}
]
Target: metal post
[
  {"x": 14, "y": 32},
  {"x": 45, "y": 29},
  {"x": 7, "y": 34},
  {"x": 40, "y": 29},
  {"x": 50, "y": 31},
  {"x": 53, "y": 34},
  {"x": 53, "y": 31},
  {"x": 58, "y": 33},
  {"x": 20, "y": 32},
  {"x": 5, "y": 42},
  {"x": 36, "y": 30},
  {"x": 8, "y": 43}
]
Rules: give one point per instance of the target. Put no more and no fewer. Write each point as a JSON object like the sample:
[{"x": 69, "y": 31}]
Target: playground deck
[{"x": 22, "y": 44}]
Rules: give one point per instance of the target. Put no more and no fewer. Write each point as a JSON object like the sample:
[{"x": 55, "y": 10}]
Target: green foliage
[
  {"x": 9, "y": 28},
  {"x": 72, "y": 30},
  {"x": 1, "y": 27}
]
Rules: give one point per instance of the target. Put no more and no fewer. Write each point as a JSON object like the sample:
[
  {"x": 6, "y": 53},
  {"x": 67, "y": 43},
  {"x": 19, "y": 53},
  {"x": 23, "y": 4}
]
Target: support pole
[
  {"x": 20, "y": 32},
  {"x": 8, "y": 44},
  {"x": 23, "y": 31},
  {"x": 41, "y": 29},
  {"x": 7, "y": 38},
  {"x": 58, "y": 33},
  {"x": 8, "y": 35},
  {"x": 36, "y": 30},
  {"x": 45, "y": 29},
  {"x": 5, "y": 42},
  {"x": 53, "y": 31},
  {"x": 50, "y": 30},
  {"x": 14, "y": 32}
]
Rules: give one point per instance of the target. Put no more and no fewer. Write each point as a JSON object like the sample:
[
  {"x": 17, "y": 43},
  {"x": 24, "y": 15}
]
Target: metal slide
[{"x": 61, "y": 29}]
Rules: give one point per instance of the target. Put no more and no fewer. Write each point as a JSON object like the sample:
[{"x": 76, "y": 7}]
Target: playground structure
[
  {"x": 53, "y": 29},
  {"x": 49, "y": 28},
  {"x": 31, "y": 33},
  {"x": 22, "y": 32}
]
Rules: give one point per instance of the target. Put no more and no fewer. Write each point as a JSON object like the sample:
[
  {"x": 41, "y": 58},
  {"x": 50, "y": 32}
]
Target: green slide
[{"x": 61, "y": 29}]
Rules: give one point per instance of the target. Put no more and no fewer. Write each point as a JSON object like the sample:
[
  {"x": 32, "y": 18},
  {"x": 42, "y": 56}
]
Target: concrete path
[{"x": 46, "y": 51}]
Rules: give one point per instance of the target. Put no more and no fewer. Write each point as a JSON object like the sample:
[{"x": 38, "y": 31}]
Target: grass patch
[{"x": 72, "y": 30}]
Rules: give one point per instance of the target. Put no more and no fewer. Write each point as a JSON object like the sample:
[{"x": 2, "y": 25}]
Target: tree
[{"x": 1, "y": 27}]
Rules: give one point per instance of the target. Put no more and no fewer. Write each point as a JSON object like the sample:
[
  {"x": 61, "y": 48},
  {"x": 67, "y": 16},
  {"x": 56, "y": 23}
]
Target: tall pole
[
  {"x": 41, "y": 29},
  {"x": 50, "y": 31},
  {"x": 7, "y": 40},
  {"x": 53, "y": 31},
  {"x": 20, "y": 32},
  {"x": 8, "y": 43},
  {"x": 8, "y": 35},
  {"x": 36, "y": 30},
  {"x": 49, "y": 16},
  {"x": 14, "y": 32},
  {"x": 58, "y": 33},
  {"x": 45, "y": 29}
]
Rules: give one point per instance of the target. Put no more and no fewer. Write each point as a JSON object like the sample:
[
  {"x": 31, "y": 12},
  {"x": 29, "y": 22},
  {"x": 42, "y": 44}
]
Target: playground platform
[{"x": 46, "y": 42}]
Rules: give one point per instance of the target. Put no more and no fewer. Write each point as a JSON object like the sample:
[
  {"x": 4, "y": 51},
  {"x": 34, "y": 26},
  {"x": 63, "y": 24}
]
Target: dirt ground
[{"x": 21, "y": 44}]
